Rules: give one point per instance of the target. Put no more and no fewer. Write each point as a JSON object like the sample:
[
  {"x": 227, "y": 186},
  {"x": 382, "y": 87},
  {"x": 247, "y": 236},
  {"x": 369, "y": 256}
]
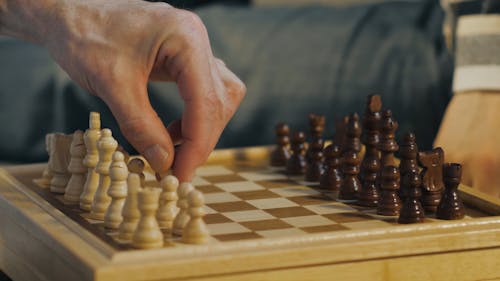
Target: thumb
[{"x": 141, "y": 126}]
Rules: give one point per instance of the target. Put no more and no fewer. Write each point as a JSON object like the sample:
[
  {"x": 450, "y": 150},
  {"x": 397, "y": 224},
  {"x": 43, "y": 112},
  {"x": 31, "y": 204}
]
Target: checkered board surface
[{"x": 254, "y": 203}]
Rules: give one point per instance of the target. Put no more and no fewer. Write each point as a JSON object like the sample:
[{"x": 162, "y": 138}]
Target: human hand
[
  {"x": 112, "y": 48},
  {"x": 469, "y": 134}
]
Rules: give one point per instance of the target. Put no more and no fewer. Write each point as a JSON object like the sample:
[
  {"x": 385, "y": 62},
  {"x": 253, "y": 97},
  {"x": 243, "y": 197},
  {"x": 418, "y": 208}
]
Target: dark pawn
[
  {"x": 451, "y": 207},
  {"x": 369, "y": 195},
  {"x": 281, "y": 153},
  {"x": 317, "y": 125},
  {"x": 408, "y": 152},
  {"x": 389, "y": 203},
  {"x": 388, "y": 144},
  {"x": 432, "y": 178},
  {"x": 296, "y": 164},
  {"x": 352, "y": 134},
  {"x": 412, "y": 211},
  {"x": 332, "y": 177},
  {"x": 350, "y": 183},
  {"x": 314, "y": 168}
]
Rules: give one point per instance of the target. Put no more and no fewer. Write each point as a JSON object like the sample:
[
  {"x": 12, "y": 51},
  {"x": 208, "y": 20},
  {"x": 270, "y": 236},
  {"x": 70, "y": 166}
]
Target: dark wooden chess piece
[
  {"x": 369, "y": 194},
  {"x": 388, "y": 144},
  {"x": 370, "y": 167},
  {"x": 350, "y": 182},
  {"x": 352, "y": 134},
  {"x": 332, "y": 176},
  {"x": 389, "y": 203},
  {"x": 408, "y": 152},
  {"x": 281, "y": 153},
  {"x": 411, "y": 211},
  {"x": 340, "y": 127},
  {"x": 432, "y": 179},
  {"x": 314, "y": 168},
  {"x": 451, "y": 207},
  {"x": 317, "y": 125},
  {"x": 371, "y": 134},
  {"x": 296, "y": 164}
]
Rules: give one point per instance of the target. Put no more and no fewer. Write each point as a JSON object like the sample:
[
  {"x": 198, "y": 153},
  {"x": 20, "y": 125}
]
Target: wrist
[{"x": 31, "y": 20}]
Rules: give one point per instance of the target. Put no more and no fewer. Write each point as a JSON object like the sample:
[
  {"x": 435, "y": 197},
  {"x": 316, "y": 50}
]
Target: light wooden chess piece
[
  {"x": 130, "y": 212},
  {"x": 196, "y": 231},
  {"x": 182, "y": 217},
  {"x": 126, "y": 155},
  {"x": 75, "y": 185},
  {"x": 168, "y": 201},
  {"x": 106, "y": 146},
  {"x": 136, "y": 166},
  {"x": 59, "y": 151},
  {"x": 117, "y": 191},
  {"x": 47, "y": 174},
  {"x": 91, "y": 138},
  {"x": 148, "y": 235}
]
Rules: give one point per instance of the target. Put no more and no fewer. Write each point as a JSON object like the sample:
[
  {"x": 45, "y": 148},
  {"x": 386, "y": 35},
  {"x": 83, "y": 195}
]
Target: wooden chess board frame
[{"x": 39, "y": 242}]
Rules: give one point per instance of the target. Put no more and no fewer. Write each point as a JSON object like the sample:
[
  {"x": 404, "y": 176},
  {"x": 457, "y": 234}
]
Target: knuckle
[
  {"x": 238, "y": 89},
  {"x": 194, "y": 21},
  {"x": 215, "y": 106},
  {"x": 159, "y": 11},
  {"x": 220, "y": 62},
  {"x": 191, "y": 27}
]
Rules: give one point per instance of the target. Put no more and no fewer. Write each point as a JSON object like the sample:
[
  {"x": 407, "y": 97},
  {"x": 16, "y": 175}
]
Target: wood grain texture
[{"x": 39, "y": 242}]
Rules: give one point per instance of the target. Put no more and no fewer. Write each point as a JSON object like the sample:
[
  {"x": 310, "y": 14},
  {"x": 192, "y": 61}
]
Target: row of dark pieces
[{"x": 379, "y": 187}]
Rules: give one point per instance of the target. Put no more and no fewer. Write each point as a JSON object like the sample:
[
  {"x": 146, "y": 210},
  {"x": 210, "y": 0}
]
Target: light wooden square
[
  {"x": 220, "y": 197},
  {"x": 239, "y": 186},
  {"x": 294, "y": 191},
  {"x": 226, "y": 228},
  {"x": 262, "y": 175},
  {"x": 306, "y": 221},
  {"x": 199, "y": 181},
  {"x": 251, "y": 215},
  {"x": 330, "y": 208},
  {"x": 213, "y": 170},
  {"x": 272, "y": 203},
  {"x": 209, "y": 210}
]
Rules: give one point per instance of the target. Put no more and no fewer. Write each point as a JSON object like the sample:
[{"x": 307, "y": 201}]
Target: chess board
[{"x": 261, "y": 222}]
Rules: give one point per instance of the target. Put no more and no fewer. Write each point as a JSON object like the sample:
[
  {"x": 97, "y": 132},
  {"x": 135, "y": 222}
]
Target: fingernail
[{"x": 156, "y": 156}]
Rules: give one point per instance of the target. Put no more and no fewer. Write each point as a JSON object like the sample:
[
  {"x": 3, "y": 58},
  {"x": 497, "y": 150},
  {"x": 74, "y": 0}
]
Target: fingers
[
  {"x": 140, "y": 124},
  {"x": 175, "y": 131},
  {"x": 209, "y": 106}
]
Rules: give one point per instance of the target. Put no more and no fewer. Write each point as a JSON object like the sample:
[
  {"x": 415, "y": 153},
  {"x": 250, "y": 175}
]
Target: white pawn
[
  {"x": 117, "y": 191},
  {"x": 168, "y": 201},
  {"x": 182, "y": 217},
  {"x": 130, "y": 212},
  {"x": 59, "y": 151},
  {"x": 148, "y": 235},
  {"x": 91, "y": 138},
  {"x": 75, "y": 185},
  {"x": 106, "y": 146},
  {"x": 47, "y": 175},
  {"x": 196, "y": 231}
]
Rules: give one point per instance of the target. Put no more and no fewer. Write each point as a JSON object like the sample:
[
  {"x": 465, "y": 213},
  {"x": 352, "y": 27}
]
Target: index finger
[{"x": 193, "y": 68}]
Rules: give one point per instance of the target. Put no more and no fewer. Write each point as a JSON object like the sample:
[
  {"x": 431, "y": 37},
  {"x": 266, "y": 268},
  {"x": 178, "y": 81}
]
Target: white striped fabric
[{"x": 477, "y": 53}]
